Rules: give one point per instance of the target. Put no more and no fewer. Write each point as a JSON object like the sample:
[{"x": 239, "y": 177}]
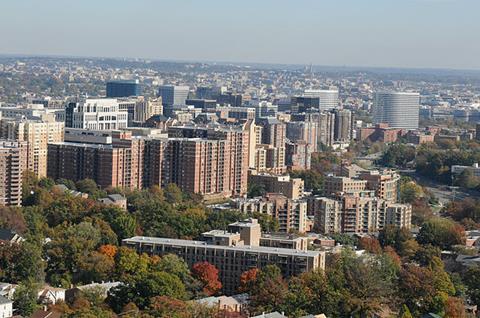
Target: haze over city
[{"x": 387, "y": 33}]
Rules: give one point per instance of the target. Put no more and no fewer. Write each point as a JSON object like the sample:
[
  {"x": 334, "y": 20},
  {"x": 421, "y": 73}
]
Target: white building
[
  {"x": 328, "y": 98},
  {"x": 397, "y": 109},
  {"x": 457, "y": 169},
  {"x": 6, "y": 307},
  {"x": 96, "y": 114}
]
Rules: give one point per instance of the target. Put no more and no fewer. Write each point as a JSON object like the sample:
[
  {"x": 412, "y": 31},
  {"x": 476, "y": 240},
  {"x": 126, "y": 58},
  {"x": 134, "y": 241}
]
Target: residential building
[
  {"x": 13, "y": 163},
  {"x": 292, "y": 188},
  {"x": 37, "y": 134},
  {"x": 337, "y": 184},
  {"x": 343, "y": 130},
  {"x": 232, "y": 253}
]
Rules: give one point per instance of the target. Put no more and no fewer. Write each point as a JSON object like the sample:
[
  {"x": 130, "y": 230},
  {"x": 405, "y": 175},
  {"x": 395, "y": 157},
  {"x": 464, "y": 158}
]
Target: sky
[{"x": 378, "y": 33}]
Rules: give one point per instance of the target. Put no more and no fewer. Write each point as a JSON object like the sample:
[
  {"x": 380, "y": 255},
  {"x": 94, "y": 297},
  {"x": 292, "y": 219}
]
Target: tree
[
  {"x": 370, "y": 244},
  {"x": 405, "y": 312},
  {"x": 472, "y": 280},
  {"x": 96, "y": 267},
  {"x": 88, "y": 186},
  {"x": 269, "y": 291},
  {"x": 248, "y": 279},
  {"x": 208, "y": 275},
  {"x": 255, "y": 190},
  {"x": 25, "y": 298},
  {"x": 172, "y": 193},
  {"x": 410, "y": 191},
  {"x": 455, "y": 308},
  {"x": 441, "y": 232},
  {"x": 12, "y": 218},
  {"x": 467, "y": 179}
]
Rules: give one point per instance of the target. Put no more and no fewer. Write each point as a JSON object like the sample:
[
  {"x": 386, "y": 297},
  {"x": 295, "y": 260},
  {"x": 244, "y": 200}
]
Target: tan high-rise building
[
  {"x": 198, "y": 166},
  {"x": 38, "y": 133},
  {"x": 13, "y": 163},
  {"x": 146, "y": 108}
]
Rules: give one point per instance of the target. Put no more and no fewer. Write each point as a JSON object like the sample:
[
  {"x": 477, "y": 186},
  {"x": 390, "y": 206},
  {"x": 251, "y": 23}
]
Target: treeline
[{"x": 434, "y": 160}]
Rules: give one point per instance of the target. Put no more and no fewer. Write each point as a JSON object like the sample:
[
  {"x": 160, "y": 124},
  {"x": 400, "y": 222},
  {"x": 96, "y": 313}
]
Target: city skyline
[{"x": 439, "y": 33}]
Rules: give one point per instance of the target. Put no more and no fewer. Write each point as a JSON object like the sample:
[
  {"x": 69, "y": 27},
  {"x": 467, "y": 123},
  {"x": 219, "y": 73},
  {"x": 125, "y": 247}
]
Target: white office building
[
  {"x": 397, "y": 109},
  {"x": 96, "y": 114},
  {"x": 328, "y": 98}
]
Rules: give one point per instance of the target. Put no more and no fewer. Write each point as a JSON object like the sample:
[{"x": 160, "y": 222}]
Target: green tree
[
  {"x": 173, "y": 194},
  {"x": 441, "y": 232},
  {"x": 25, "y": 298}
]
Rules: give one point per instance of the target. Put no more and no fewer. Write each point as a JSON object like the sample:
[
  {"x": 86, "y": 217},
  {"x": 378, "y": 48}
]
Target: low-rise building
[{"x": 232, "y": 256}]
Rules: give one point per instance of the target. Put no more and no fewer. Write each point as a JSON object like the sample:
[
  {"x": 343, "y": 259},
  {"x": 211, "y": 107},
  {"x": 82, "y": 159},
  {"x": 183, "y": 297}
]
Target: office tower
[
  {"x": 235, "y": 251},
  {"x": 38, "y": 133},
  {"x": 204, "y": 104},
  {"x": 173, "y": 97},
  {"x": 328, "y": 99},
  {"x": 13, "y": 163},
  {"x": 300, "y": 104},
  {"x": 343, "y": 125},
  {"x": 96, "y": 114},
  {"x": 397, "y": 109},
  {"x": 123, "y": 88},
  {"x": 234, "y": 100},
  {"x": 265, "y": 110}
]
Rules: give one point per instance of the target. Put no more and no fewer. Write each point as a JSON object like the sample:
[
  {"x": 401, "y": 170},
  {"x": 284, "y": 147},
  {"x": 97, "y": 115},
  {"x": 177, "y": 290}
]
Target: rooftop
[{"x": 189, "y": 243}]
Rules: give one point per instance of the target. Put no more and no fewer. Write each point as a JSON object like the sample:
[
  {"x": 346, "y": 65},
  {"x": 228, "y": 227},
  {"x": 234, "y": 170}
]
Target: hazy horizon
[{"x": 425, "y": 34}]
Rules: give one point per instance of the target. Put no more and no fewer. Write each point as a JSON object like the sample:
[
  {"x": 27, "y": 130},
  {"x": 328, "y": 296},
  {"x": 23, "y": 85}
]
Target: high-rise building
[
  {"x": 123, "y": 88},
  {"x": 237, "y": 137},
  {"x": 397, "y": 109},
  {"x": 305, "y": 131},
  {"x": 326, "y": 128},
  {"x": 343, "y": 125},
  {"x": 96, "y": 114},
  {"x": 198, "y": 166},
  {"x": 13, "y": 163},
  {"x": 173, "y": 97},
  {"x": 292, "y": 188},
  {"x": 328, "y": 99},
  {"x": 37, "y": 134},
  {"x": 146, "y": 108},
  {"x": 122, "y": 163}
]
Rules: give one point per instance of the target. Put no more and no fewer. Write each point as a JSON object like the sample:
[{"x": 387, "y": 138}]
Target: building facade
[
  {"x": 13, "y": 163},
  {"x": 397, "y": 109}
]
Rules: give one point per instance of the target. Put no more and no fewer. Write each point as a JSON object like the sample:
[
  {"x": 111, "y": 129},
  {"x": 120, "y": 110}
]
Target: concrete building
[
  {"x": 305, "y": 131},
  {"x": 37, "y": 134},
  {"x": 6, "y": 307},
  {"x": 384, "y": 183},
  {"x": 232, "y": 253},
  {"x": 343, "y": 130},
  {"x": 347, "y": 213},
  {"x": 458, "y": 169},
  {"x": 336, "y": 184},
  {"x": 290, "y": 214},
  {"x": 397, "y": 109},
  {"x": 328, "y": 99},
  {"x": 96, "y": 114},
  {"x": 13, "y": 163},
  {"x": 298, "y": 155},
  {"x": 146, "y": 108},
  {"x": 292, "y": 188}
]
